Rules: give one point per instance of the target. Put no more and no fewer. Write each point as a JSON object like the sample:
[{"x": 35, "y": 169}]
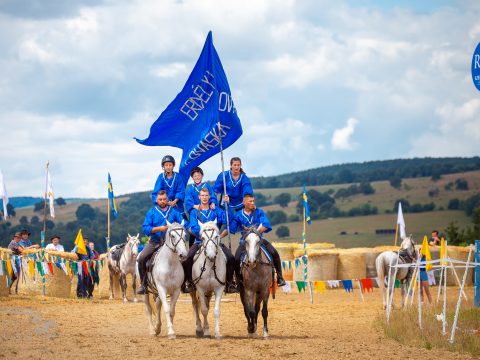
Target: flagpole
[
  {"x": 42, "y": 235},
  {"x": 224, "y": 190},
  {"x": 108, "y": 221},
  {"x": 396, "y": 235},
  {"x": 305, "y": 271}
]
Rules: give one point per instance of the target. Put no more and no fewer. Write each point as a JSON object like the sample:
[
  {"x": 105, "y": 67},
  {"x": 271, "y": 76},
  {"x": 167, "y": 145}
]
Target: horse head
[
  {"x": 409, "y": 245},
  {"x": 175, "y": 239},
  {"x": 132, "y": 244},
  {"x": 210, "y": 235},
  {"x": 252, "y": 238}
]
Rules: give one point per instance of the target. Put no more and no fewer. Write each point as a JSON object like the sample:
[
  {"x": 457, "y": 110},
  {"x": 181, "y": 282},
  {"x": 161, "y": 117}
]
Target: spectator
[
  {"x": 16, "y": 250},
  {"x": 96, "y": 255},
  {"x": 25, "y": 241},
  {"x": 55, "y": 244},
  {"x": 424, "y": 284},
  {"x": 434, "y": 240},
  {"x": 84, "y": 280},
  {"x": 93, "y": 270}
]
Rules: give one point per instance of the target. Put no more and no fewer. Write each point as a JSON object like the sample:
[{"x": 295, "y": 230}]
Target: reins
[{"x": 210, "y": 238}]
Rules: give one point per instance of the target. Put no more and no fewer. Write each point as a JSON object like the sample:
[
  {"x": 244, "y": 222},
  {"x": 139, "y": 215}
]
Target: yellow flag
[
  {"x": 425, "y": 250},
  {"x": 80, "y": 244},
  {"x": 67, "y": 265},
  {"x": 443, "y": 252},
  {"x": 31, "y": 268},
  {"x": 9, "y": 268}
]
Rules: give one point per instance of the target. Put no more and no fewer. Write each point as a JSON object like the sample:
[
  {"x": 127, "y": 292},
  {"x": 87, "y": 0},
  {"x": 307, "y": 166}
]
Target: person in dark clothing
[{"x": 84, "y": 279}]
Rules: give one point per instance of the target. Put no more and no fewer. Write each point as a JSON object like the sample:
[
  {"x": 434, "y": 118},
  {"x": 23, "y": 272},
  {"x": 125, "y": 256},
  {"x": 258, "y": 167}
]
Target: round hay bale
[
  {"x": 370, "y": 259},
  {"x": 56, "y": 285},
  {"x": 351, "y": 265},
  {"x": 62, "y": 254},
  {"x": 322, "y": 265},
  {"x": 320, "y": 246},
  {"x": 459, "y": 253},
  {"x": 3, "y": 286}
]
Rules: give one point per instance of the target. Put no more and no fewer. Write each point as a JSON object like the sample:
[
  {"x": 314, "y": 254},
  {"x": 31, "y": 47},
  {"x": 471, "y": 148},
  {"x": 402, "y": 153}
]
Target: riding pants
[
  {"x": 188, "y": 263},
  {"x": 271, "y": 250},
  {"x": 144, "y": 256}
]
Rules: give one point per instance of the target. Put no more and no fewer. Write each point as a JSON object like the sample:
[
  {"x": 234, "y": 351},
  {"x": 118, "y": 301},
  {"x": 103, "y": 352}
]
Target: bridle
[
  {"x": 180, "y": 232},
  {"x": 211, "y": 237},
  {"x": 253, "y": 230}
]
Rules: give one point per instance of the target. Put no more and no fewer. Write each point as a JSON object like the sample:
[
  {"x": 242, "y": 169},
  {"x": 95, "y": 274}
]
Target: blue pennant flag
[
  {"x": 305, "y": 204},
  {"x": 201, "y": 114},
  {"x": 111, "y": 197}
]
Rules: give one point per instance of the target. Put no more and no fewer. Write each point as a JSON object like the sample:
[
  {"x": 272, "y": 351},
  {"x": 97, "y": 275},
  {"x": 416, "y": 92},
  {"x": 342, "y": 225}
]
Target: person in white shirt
[{"x": 54, "y": 245}]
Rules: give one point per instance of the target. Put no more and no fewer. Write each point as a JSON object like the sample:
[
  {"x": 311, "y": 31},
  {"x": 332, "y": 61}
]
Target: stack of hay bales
[
  {"x": 322, "y": 265},
  {"x": 3, "y": 279},
  {"x": 351, "y": 264},
  {"x": 459, "y": 253},
  {"x": 285, "y": 250}
]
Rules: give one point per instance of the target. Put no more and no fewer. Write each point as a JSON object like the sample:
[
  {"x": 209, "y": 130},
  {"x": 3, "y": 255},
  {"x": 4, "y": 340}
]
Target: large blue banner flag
[{"x": 199, "y": 115}]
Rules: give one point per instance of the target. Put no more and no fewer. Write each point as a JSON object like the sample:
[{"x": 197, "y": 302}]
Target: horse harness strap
[
  {"x": 405, "y": 256},
  {"x": 203, "y": 268}
]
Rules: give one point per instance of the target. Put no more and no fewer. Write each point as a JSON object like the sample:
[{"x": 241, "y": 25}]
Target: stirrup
[
  {"x": 231, "y": 289},
  {"x": 188, "y": 287},
  {"x": 281, "y": 281},
  {"x": 141, "y": 290}
]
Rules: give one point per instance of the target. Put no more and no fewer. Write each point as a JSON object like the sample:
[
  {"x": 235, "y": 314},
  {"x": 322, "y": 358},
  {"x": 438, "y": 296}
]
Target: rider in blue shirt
[
  {"x": 203, "y": 214},
  {"x": 172, "y": 183},
  {"x": 237, "y": 184},
  {"x": 250, "y": 215},
  {"x": 192, "y": 192},
  {"x": 155, "y": 226}
]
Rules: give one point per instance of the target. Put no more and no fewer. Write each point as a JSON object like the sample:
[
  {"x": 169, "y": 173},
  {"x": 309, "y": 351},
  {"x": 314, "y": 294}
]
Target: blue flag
[
  {"x": 199, "y": 115},
  {"x": 305, "y": 204},
  {"x": 111, "y": 197}
]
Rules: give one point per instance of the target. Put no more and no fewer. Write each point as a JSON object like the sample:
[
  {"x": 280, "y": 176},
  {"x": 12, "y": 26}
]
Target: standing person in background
[
  {"x": 55, "y": 244},
  {"x": 424, "y": 285},
  {"x": 95, "y": 279},
  {"x": 96, "y": 255},
  {"x": 434, "y": 240},
  {"x": 237, "y": 183},
  {"x": 172, "y": 183},
  {"x": 16, "y": 250},
  {"x": 83, "y": 279}
]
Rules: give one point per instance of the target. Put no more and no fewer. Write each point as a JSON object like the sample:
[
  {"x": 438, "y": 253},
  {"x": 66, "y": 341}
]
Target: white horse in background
[
  {"x": 388, "y": 259},
  {"x": 208, "y": 274},
  {"x": 124, "y": 266},
  {"x": 167, "y": 277}
]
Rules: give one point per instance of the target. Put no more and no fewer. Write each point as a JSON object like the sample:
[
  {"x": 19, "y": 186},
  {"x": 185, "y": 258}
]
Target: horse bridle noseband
[
  {"x": 180, "y": 233},
  {"x": 210, "y": 238},
  {"x": 252, "y": 230}
]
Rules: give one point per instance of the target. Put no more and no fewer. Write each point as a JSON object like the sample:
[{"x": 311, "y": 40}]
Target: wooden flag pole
[
  {"x": 108, "y": 220},
  {"x": 42, "y": 235},
  {"x": 396, "y": 235}
]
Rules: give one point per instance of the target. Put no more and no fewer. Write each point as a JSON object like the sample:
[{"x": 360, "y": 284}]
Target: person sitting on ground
[
  {"x": 55, "y": 244},
  {"x": 155, "y": 226},
  {"x": 25, "y": 242},
  {"x": 204, "y": 213},
  {"x": 16, "y": 249},
  {"x": 250, "y": 215},
  {"x": 84, "y": 280},
  {"x": 435, "y": 240},
  {"x": 172, "y": 183},
  {"x": 237, "y": 184}
]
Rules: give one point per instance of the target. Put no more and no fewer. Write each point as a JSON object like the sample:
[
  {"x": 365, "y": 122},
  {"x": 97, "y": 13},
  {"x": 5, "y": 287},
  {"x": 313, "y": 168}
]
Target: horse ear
[
  {"x": 214, "y": 220},
  {"x": 138, "y": 234},
  {"x": 129, "y": 236},
  {"x": 183, "y": 222},
  {"x": 200, "y": 223},
  {"x": 259, "y": 227},
  {"x": 169, "y": 223}
]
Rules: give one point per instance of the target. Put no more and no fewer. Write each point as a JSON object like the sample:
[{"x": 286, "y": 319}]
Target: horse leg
[
  {"x": 265, "y": 313},
  {"x": 123, "y": 283},
  {"x": 216, "y": 311},
  {"x": 402, "y": 287},
  {"x": 258, "y": 302},
  {"x": 158, "y": 320},
  {"x": 249, "y": 309},
  {"x": 110, "y": 273},
  {"x": 134, "y": 285},
  {"x": 166, "y": 309},
  {"x": 196, "y": 305},
  {"x": 148, "y": 310},
  {"x": 391, "y": 285},
  {"x": 204, "y": 309}
]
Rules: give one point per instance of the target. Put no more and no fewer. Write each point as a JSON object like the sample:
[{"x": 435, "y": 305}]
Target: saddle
[
  {"x": 406, "y": 258},
  {"x": 149, "y": 285},
  {"x": 117, "y": 252}
]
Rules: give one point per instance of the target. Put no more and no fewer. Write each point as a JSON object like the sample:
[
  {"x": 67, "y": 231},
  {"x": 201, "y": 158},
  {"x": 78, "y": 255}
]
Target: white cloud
[{"x": 341, "y": 139}]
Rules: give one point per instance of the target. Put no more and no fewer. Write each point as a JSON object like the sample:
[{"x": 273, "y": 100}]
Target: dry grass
[{"x": 403, "y": 327}]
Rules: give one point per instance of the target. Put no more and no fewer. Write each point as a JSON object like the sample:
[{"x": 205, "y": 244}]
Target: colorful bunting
[
  {"x": 367, "y": 285},
  {"x": 347, "y": 285},
  {"x": 301, "y": 286},
  {"x": 319, "y": 286}
]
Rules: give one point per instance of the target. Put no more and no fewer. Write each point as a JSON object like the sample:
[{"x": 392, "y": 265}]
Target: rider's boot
[
  {"x": 278, "y": 268},
  {"x": 188, "y": 287},
  {"x": 231, "y": 288},
  {"x": 142, "y": 290}
]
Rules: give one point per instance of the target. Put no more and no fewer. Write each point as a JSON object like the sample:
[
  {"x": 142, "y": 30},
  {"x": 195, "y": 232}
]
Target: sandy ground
[{"x": 337, "y": 325}]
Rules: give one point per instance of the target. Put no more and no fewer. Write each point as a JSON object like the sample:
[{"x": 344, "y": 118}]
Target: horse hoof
[
  {"x": 135, "y": 300},
  {"x": 110, "y": 298},
  {"x": 199, "y": 333},
  {"x": 218, "y": 337},
  {"x": 125, "y": 301},
  {"x": 252, "y": 335},
  {"x": 265, "y": 336},
  {"x": 172, "y": 337}
]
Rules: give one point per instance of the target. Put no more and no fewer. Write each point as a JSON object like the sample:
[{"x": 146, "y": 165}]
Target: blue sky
[{"x": 314, "y": 82}]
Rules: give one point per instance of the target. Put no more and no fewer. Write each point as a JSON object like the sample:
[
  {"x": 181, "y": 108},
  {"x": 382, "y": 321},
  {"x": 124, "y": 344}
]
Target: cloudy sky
[{"x": 314, "y": 82}]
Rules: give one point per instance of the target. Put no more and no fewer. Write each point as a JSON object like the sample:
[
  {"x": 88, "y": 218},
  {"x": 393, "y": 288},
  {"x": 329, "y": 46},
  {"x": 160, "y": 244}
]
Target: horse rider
[
  {"x": 155, "y": 226},
  {"x": 172, "y": 183},
  {"x": 204, "y": 213},
  {"x": 237, "y": 184},
  {"x": 250, "y": 215}
]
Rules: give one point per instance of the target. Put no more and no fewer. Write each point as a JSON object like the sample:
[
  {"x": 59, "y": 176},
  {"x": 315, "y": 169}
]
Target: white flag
[
  {"x": 401, "y": 222},
  {"x": 50, "y": 193},
  {"x": 4, "y": 196}
]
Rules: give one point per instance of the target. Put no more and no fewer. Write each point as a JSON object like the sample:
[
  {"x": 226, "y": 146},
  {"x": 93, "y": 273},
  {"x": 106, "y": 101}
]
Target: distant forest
[{"x": 370, "y": 171}]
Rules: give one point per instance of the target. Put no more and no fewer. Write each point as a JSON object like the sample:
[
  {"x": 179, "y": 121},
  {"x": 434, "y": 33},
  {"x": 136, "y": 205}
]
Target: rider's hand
[
  {"x": 226, "y": 199},
  {"x": 212, "y": 206}
]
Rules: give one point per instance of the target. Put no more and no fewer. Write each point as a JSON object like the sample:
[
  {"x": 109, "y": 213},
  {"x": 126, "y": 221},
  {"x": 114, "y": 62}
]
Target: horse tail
[{"x": 380, "y": 271}]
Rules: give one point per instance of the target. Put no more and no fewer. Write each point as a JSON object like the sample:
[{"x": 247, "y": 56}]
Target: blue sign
[
  {"x": 200, "y": 116},
  {"x": 476, "y": 67}
]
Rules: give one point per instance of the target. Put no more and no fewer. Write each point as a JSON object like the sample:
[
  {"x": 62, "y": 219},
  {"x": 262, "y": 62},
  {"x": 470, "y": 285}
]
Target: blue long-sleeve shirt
[
  {"x": 158, "y": 217},
  {"x": 256, "y": 218},
  {"x": 236, "y": 189},
  {"x": 191, "y": 196},
  {"x": 174, "y": 187},
  {"x": 217, "y": 215}
]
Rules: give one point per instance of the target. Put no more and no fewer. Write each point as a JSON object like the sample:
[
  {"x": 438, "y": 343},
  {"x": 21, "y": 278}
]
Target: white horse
[
  {"x": 124, "y": 266},
  {"x": 167, "y": 277},
  {"x": 208, "y": 274},
  {"x": 388, "y": 259}
]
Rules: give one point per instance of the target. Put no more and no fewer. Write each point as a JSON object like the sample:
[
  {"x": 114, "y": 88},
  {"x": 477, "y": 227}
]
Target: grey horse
[{"x": 388, "y": 259}]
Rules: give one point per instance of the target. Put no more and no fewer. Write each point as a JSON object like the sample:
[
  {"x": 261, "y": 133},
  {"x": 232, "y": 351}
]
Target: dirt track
[{"x": 337, "y": 325}]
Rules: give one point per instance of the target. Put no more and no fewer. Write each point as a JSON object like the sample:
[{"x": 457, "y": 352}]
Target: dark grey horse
[{"x": 257, "y": 275}]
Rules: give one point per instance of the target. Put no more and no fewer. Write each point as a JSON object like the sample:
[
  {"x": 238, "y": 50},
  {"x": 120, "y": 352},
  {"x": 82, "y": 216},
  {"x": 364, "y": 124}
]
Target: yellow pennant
[
  {"x": 443, "y": 252},
  {"x": 80, "y": 244},
  {"x": 320, "y": 286},
  {"x": 9, "y": 268},
  {"x": 425, "y": 251},
  {"x": 67, "y": 265},
  {"x": 31, "y": 268}
]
